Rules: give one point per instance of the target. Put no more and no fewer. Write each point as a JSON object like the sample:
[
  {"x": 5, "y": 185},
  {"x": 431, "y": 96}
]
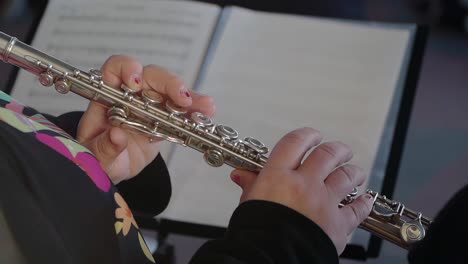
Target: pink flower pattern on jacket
[
  {"x": 84, "y": 160},
  {"x": 67, "y": 146},
  {"x": 35, "y": 124}
]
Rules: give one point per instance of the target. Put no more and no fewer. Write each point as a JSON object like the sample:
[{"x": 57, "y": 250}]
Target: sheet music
[
  {"x": 172, "y": 34},
  {"x": 271, "y": 74}
]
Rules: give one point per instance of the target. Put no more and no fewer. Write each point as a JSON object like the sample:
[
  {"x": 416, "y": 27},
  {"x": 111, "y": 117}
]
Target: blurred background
[{"x": 433, "y": 165}]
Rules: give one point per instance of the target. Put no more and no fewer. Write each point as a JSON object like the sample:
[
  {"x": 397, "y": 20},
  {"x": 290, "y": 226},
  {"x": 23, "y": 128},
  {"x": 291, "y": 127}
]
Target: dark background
[{"x": 435, "y": 154}]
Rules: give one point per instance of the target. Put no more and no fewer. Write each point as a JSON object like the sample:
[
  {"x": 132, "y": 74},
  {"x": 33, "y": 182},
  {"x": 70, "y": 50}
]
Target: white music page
[
  {"x": 271, "y": 74},
  {"x": 84, "y": 33}
]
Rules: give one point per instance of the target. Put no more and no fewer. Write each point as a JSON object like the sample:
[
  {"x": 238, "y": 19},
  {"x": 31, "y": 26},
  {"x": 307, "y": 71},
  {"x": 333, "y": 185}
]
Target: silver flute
[{"x": 147, "y": 112}]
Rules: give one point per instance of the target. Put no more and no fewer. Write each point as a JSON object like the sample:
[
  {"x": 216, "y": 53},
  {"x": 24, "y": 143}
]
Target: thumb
[
  {"x": 108, "y": 145},
  {"x": 357, "y": 211},
  {"x": 245, "y": 180}
]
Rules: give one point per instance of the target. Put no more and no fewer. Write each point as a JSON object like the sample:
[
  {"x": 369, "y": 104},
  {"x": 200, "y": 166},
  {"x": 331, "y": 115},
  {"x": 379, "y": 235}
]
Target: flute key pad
[
  {"x": 227, "y": 132},
  {"x": 152, "y": 97},
  {"x": 201, "y": 119},
  {"x": 175, "y": 109},
  {"x": 46, "y": 79}
]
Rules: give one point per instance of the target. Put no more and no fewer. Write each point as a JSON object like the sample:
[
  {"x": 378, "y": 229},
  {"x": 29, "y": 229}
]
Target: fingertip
[
  {"x": 236, "y": 175},
  {"x": 236, "y": 178},
  {"x": 242, "y": 172},
  {"x": 235, "y": 171},
  {"x": 209, "y": 100},
  {"x": 134, "y": 81},
  {"x": 184, "y": 92},
  {"x": 243, "y": 178},
  {"x": 203, "y": 104},
  {"x": 210, "y": 111},
  {"x": 357, "y": 211},
  {"x": 369, "y": 201},
  {"x": 120, "y": 69},
  {"x": 132, "y": 76},
  {"x": 183, "y": 97},
  {"x": 364, "y": 203}
]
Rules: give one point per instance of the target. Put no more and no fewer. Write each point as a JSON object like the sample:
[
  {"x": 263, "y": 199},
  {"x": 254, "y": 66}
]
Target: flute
[{"x": 149, "y": 114}]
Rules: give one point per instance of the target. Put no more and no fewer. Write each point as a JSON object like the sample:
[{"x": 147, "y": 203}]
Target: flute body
[{"x": 220, "y": 144}]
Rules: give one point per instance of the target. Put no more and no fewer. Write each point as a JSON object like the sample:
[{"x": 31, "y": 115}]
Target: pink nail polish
[
  {"x": 183, "y": 92},
  {"x": 236, "y": 179},
  {"x": 368, "y": 196},
  {"x": 136, "y": 78}
]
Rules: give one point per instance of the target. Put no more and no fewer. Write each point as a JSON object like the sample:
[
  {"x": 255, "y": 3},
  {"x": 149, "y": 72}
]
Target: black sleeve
[
  {"x": 149, "y": 192},
  {"x": 442, "y": 242},
  {"x": 262, "y": 232}
]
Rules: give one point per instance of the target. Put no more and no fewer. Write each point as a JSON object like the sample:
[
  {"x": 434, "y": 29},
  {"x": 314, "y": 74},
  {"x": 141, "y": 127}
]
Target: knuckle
[
  {"x": 334, "y": 149},
  {"x": 301, "y": 135},
  {"x": 111, "y": 60},
  {"x": 294, "y": 137},
  {"x": 329, "y": 149},
  {"x": 119, "y": 63},
  {"x": 310, "y": 130},
  {"x": 120, "y": 58},
  {"x": 175, "y": 81},
  {"x": 152, "y": 67},
  {"x": 115, "y": 57},
  {"x": 350, "y": 173}
]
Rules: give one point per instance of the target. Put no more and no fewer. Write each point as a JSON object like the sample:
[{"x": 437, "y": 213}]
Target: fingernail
[
  {"x": 236, "y": 179},
  {"x": 184, "y": 92},
  {"x": 368, "y": 196},
  {"x": 136, "y": 78}
]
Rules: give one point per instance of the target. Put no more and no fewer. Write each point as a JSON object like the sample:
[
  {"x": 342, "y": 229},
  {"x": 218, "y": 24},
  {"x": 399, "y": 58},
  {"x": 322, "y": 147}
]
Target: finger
[
  {"x": 245, "y": 180},
  {"x": 326, "y": 157},
  {"x": 203, "y": 104},
  {"x": 166, "y": 83},
  {"x": 356, "y": 212},
  {"x": 108, "y": 146},
  {"x": 290, "y": 150},
  {"x": 342, "y": 180},
  {"x": 91, "y": 124},
  {"x": 121, "y": 69},
  {"x": 116, "y": 70}
]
